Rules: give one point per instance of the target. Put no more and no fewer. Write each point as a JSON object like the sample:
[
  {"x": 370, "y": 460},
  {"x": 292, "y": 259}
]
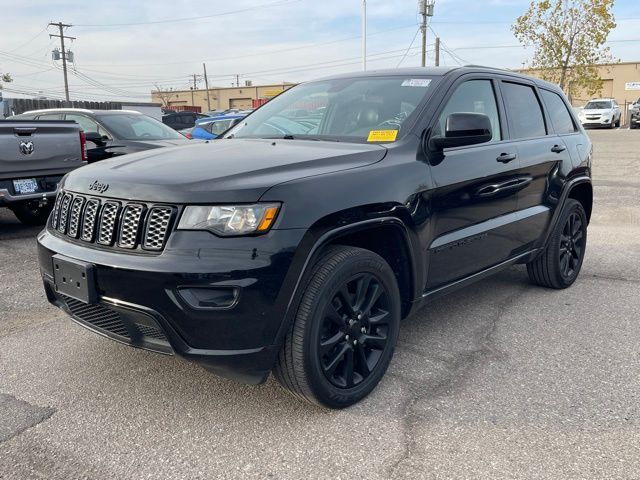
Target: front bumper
[
  {"x": 635, "y": 118},
  {"x": 600, "y": 122},
  {"x": 139, "y": 299}
]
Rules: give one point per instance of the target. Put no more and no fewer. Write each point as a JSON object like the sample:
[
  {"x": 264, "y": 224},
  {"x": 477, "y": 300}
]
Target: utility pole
[
  {"x": 237, "y": 80},
  {"x": 206, "y": 85},
  {"x": 364, "y": 35},
  {"x": 426, "y": 10},
  {"x": 61, "y": 27},
  {"x": 437, "y": 51},
  {"x": 195, "y": 86}
]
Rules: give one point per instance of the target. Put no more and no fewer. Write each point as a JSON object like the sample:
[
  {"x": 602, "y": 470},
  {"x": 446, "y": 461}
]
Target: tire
[
  {"x": 32, "y": 213},
  {"x": 327, "y": 335},
  {"x": 568, "y": 241},
  {"x": 618, "y": 122}
]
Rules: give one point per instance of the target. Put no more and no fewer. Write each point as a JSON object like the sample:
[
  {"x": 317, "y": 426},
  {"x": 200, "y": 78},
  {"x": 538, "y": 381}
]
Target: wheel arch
[
  {"x": 353, "y": 235},
  {"x": 583, "y": 192},
  {"x": 578, "y": 188}
]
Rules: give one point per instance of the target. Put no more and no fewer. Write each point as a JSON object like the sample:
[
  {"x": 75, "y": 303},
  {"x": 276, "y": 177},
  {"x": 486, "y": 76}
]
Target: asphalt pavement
[{"x": 499, "y": 380}]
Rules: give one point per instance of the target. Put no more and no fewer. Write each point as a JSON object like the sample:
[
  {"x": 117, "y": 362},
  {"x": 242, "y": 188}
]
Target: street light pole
[{"x": 364, "y": 35}]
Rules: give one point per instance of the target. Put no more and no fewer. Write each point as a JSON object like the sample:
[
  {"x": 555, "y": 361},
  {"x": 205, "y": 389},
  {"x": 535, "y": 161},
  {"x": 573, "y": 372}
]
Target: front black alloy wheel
[
  {"x": 345, "y": 330},
  {"x": 354, "y": 331},
  {"x": 559, "y": 264}
]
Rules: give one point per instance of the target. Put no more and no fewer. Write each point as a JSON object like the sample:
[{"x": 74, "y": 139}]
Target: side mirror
[
  {"x": 94, "y": 137},
  {"x": 463, "y": 129}
]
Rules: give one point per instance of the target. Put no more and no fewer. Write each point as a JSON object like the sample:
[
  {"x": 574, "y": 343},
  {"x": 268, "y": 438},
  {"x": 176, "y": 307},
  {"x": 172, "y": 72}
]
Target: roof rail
[{"x": 489, "y": 68}]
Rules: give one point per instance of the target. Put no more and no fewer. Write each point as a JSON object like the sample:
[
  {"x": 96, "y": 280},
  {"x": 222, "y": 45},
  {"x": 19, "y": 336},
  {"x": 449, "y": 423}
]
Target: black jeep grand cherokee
[{"x": 298, "y": 242}]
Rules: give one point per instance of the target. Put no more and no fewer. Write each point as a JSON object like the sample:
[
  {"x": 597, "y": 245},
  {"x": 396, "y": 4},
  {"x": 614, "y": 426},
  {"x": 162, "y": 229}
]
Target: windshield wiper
[{"x": 288, "y": 136}]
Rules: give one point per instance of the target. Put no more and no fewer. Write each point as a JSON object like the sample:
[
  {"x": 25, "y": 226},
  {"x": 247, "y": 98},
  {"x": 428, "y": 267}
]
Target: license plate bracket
[
  {"x": 26, "y": 185},
  {"x": 75, "y": 278}
]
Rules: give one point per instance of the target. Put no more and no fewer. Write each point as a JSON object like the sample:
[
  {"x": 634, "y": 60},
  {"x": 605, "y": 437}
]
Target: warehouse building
[
  {"x": 620, "y": 81},
  {"x": 202, "y": 100}
]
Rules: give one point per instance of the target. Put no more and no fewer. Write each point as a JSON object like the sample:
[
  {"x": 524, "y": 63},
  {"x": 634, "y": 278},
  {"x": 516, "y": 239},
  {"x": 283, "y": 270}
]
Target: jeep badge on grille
[{"x": 99, "y": 187}]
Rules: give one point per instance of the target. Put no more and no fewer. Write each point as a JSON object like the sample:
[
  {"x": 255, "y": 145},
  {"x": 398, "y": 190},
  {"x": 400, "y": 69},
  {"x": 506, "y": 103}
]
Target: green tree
[
  {"x": 568, "y": 37},
  {"x": 5, "y": 77}
]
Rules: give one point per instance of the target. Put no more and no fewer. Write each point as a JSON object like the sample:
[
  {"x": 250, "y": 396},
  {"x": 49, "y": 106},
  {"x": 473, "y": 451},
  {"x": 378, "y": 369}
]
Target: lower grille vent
[{"x": 99, "y": 316}]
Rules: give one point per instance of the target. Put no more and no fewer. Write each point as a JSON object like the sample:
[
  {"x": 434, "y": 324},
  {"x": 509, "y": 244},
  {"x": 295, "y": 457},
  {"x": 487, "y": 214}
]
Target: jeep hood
[{"x": 222, "y": 171}]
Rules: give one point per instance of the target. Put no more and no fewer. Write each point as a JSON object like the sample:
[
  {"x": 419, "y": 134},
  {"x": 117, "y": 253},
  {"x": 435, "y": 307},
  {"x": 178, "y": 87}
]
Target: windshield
[
  {"x": 601, "y": 105},
  {"x": 137, "y": 127},
  {"x": 373, "y": 109}
]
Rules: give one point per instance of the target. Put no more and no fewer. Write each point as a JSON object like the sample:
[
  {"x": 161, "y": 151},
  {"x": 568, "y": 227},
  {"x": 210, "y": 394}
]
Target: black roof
[{"x": 437, "y": 72}]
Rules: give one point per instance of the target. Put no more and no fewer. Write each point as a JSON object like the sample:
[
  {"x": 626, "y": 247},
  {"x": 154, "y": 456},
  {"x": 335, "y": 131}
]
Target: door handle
[
  {"x": 506, "y": 157},
  {"x": 496, "y": 188},
  {"x": 558, "y": 148}
]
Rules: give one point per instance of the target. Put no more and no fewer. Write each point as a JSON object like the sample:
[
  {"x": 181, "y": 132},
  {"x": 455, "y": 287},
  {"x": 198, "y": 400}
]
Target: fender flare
[
  {"x": 560, "y": 205},
  {"x": 316, "y": 249}
]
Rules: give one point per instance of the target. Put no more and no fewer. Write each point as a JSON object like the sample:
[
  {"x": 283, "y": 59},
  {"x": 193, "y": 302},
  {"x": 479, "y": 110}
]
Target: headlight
[{"x": 229, "y": 220}]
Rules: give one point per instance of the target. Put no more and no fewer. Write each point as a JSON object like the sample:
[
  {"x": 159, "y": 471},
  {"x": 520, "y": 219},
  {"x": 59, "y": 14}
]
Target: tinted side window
[
  {"x": 523, "y": 110},
  {"x": 50, "y": 116},
  {"x": 557, "y": 110},
  {"x": 473, "y": 96}
]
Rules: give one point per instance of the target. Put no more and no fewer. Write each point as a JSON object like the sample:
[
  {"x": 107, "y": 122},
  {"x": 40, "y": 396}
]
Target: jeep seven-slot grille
[{"x": 112, "y": 223}]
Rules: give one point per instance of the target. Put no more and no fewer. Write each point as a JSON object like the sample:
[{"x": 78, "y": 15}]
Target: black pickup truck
[
  {"x": 297, "y": 243},
  {"x": 34, "y": 156}
]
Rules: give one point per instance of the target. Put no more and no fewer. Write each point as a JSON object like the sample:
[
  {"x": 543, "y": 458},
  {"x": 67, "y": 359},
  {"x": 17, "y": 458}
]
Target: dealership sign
[{"x": 632, "y": 86}]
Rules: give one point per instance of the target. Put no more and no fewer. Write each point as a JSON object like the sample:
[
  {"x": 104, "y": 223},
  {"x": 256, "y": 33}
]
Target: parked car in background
[
  {"x": 187, "y": 132},
  {"x": 182, "y": 120},
  {"x": 601, "y": 112},
  {"x": 297, "y": 243},
  {"x": 111, "y": 133},
  {"x": 212, "y": 128},
  {"x": 34, "y": 156},
  {"x": 634, "y": 114}
]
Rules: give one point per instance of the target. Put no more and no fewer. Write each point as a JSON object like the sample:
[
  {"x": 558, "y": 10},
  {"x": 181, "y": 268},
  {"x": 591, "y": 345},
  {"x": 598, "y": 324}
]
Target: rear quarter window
[
  {"x": 523, "y": 109},
  {"x": 558, "y": 112}
]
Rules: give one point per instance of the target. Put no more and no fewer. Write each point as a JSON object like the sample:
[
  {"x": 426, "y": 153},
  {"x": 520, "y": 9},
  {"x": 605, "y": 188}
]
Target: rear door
[
  {"x": 474, "y": 199},
  {"x": 32, "y": 148},
  {"x": 542, "y": 154}
]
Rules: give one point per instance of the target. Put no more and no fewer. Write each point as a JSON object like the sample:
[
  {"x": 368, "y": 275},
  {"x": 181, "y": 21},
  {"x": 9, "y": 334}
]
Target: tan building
[
  {"x": 620, "y": 81},
  {"x": 219, "y": 98}
]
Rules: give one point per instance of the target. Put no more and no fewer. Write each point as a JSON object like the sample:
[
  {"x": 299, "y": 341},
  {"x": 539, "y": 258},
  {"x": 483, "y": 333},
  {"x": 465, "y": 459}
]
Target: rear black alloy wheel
[
  {"x": 344, "y": 333},
  {"x": 559, "y": 264},
  {"x": 354, "y": 331},
  {"x": 571, "y": 245}
]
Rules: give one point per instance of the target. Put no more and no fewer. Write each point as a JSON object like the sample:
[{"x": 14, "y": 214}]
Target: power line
[
  {"x": 190, "y": 19},
  {"x": 258, "y": 54},
  {"x": 30, "y": 40},
  {"x": 410, "y": 45}
]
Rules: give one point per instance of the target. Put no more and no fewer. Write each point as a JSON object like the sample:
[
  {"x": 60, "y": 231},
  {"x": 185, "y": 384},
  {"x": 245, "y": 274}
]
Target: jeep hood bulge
[{"x": 237, "y": 170}]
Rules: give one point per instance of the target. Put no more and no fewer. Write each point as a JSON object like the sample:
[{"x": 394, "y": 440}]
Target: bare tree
[{"x": 165, "y": 95}]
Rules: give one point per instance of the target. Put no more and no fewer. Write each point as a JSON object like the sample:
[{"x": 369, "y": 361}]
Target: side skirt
[{"x": 441, "y": 291}]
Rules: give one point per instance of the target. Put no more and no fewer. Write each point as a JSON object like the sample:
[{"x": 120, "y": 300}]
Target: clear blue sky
[{"x": 124, "y": 47}]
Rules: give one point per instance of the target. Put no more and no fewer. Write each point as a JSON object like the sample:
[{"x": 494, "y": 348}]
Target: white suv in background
[{"x": 601, "y": 112}]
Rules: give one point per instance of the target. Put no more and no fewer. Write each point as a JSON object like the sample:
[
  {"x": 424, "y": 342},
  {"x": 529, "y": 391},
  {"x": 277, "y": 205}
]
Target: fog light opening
[{"x": 210, "y": 298}]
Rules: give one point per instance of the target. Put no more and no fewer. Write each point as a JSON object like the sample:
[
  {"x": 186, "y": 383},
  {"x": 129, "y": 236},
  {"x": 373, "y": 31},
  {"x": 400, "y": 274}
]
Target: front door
[{"x": 474, "y": 202}]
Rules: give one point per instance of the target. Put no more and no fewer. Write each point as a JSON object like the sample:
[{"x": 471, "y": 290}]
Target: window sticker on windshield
[
  {"x": 416, "y": 82},
  {"x": 382, "y": 135}
]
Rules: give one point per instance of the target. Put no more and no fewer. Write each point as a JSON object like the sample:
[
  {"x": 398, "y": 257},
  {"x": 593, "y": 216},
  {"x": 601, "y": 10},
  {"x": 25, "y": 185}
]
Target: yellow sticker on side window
[{"x": 382, "y": 135}]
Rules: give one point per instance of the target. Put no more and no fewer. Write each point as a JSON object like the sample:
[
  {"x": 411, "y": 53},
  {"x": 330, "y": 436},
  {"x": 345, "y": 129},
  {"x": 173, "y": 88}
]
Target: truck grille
[{"x": 113, "y": 223}]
